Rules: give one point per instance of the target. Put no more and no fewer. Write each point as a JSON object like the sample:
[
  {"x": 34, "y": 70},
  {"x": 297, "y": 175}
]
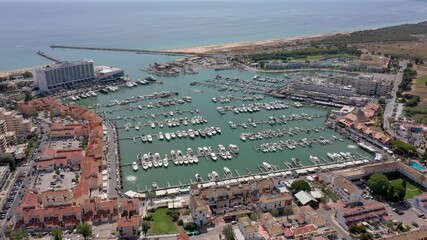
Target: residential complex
[
  {"x": 45, "y": 209},
  {"x": 64, "y": 74}
]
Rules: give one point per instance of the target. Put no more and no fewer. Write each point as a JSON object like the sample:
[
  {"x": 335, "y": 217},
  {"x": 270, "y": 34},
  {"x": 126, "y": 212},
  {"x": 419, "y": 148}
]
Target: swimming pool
[{"x": 417, "y": 166}]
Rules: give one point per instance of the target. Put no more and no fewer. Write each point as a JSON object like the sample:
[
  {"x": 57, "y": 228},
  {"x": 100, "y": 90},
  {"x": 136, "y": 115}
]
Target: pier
[
  {"x": 45, "y": 55},
  {"x": 138, "y": 51}
]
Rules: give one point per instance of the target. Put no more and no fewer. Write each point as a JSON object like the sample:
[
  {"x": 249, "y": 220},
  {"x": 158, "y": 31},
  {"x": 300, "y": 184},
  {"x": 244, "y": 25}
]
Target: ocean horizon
[{"x": 31, "y": 26}]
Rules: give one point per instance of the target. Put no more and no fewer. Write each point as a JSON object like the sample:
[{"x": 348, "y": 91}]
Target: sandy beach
[
  {"x": 12, "y": 72},
  {"x": 236, "y": 46}
]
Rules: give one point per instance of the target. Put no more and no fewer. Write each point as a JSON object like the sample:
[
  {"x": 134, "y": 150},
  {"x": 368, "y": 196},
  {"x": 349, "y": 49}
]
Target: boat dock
[
  {"x": 138, "y": 51},
  {"x": 291, "y": 172},
  {"x": 49, "y": 57},
  {"x": 153, "y": 115}
]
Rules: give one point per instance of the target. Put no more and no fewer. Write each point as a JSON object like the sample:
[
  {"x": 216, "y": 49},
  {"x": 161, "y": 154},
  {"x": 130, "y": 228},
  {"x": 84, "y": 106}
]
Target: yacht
[
  {"x": 174, "y": 157},
  {"x": 154, "y": 185},
  {"x": 314, "y": 159},
  {"x": 149, "y": 138},
  {"x": 200, "y": 151},
  {"x": 213, "y": 156},
  {"x": 165, "y": 161},
  {"x": 92, "y": 93},
  {"x": 218, "y": 130},
  {"x": 180, "y": 157},
  {"x": 179, "y": 134},
  {"x": 213, "y": 176},
  {"x": 135, "y": 166},
  {"x": 228, "y": 154},
  {"x": 167, "y": 136},
  {"x": 233, "y": 148},
  {"x": 191, "y": 133},
  {"x": 221, "y": 150},
  {"x": 150, "y": 79},
  {"x": 198, "y": 178},
  {"x": 173, "y": 135},
  {"x": 161, "y": 136},
  {"x": 267, "y": 166},
  {"x": 227, "y": 172},
  {"x": 296, "y": 162},
  {"x": 158, "y": 160}
]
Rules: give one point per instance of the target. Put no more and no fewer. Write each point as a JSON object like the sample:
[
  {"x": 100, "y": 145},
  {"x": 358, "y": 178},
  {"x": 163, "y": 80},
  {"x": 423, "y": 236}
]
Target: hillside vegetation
[{"x": 405, "y": 32}]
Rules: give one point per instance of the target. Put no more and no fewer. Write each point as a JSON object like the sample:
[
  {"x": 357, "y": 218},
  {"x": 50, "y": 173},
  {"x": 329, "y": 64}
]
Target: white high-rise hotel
[{"x": 64, "y": 74}]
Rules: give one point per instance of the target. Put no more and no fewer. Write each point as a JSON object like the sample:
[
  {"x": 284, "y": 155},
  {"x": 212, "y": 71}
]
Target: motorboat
[
  {"x": 233, "y": 148},
  {"x": 213, "y": 156},
  {"x": 135, "y": 166},
  {"x": 161, "y": 136},
  {"x": 296, "y": 162},
  {"x": 222, "y": 151},
  {"x": 267, "y": 166},
  {"x": 198, "y": 177},
  {"x": 165, "y": 161},
  {"x": 227, "y": 172},
  {"x": 168, "y": 136}
]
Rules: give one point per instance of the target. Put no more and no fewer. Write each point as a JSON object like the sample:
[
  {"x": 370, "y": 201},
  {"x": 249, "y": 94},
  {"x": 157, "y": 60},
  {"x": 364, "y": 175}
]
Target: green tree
[
  {"x": 301, "y": 185},
  {"x": 396, "y": 193},
  {"x": 57, "y": 172},
  {"x": 145, "y": 227},
  {"x": 254, "y": 216},
  {"x": 57, "y": 234},
  {"x": 381, "y": 100},
  {"x": 378, "y": 183},
  {"x": 228, "y": 233},
  {"x": 85, "y": 230},
  {"x": 275, "y": 212},
  {"x": 288, "y": 211},
  {"x": 27, "y": 74}
]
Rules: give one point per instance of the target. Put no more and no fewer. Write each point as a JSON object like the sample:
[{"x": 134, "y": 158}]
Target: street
[
  {"x": 388, "y": 111},
  {"x": 112, "y": 160}
]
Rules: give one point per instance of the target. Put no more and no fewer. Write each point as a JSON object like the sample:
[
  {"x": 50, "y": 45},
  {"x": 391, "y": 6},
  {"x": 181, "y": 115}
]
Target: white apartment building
[
  {"x": 64, "y": 74},
  {"x": 347, "y": 190}
]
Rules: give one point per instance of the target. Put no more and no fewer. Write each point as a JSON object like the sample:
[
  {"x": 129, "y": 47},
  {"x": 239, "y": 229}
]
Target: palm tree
[
  {"x": 288, "y": 211},
  {"x": 173, "y": 196},
  {"x": 145, "y": 227},
  {"x": 228, "y": 233},
  {"x": 151, "y": 196}
]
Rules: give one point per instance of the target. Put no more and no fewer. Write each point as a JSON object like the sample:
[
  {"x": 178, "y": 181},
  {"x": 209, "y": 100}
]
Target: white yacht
[
  {"x": 267, "y": 166},
  {"x": 135, "y": 166}
]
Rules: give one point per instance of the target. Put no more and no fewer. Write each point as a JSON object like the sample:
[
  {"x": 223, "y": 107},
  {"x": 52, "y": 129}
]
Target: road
[
  {"x": 112, "y": 160},
  {"x": 388, "y": 112}
]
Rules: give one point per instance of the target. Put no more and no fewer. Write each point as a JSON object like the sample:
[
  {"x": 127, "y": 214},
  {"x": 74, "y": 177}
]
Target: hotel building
[{"x": 64, "y": 74}]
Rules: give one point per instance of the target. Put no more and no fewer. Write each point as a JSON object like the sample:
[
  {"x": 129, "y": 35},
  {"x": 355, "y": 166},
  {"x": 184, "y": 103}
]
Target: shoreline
[{"x": 244, "y": 44}]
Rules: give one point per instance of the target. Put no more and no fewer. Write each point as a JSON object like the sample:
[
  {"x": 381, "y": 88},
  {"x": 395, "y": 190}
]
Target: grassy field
[
  {"x": 411, "y": 190},
  {"x": 408, "y": 49},
  {"x": 162, "y": 223},
  {"x": 419, "y": 88}
]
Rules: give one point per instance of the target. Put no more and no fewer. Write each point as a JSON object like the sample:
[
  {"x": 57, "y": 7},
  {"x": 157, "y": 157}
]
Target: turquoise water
[
  {"x": 248, "y": 159},
  {"x": 417, "y": 166}
]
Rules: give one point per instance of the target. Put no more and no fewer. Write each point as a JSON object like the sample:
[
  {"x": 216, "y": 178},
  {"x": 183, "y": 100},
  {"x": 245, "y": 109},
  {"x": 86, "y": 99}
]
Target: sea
[{"x": 29, "y": 26}]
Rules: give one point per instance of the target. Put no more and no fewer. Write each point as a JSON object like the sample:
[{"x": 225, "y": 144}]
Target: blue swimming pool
[{"x": 417, "y": 166}]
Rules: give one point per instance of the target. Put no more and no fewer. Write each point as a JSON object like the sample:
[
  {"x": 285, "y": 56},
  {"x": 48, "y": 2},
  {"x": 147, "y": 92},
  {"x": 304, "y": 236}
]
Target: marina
[{"x": 162, "y": 129}]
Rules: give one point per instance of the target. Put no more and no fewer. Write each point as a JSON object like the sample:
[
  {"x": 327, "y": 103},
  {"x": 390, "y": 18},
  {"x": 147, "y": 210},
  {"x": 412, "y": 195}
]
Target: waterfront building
[
  {"x": 105, "y": 73},
  {"x": 322, "y": 86},
  {"x": 4, "y": 174},
  {"x": 64, "y": 74},
  {"x": 370, "y": 212},
  {"x": 200, "y": 211},
  {"x": 365, "y": 84},
  {"x": 128, "y": 228},
  {"x": 68, "y": 130},
  {"x": 248, "y": 229}
]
